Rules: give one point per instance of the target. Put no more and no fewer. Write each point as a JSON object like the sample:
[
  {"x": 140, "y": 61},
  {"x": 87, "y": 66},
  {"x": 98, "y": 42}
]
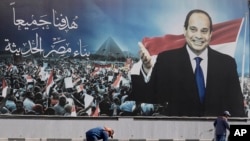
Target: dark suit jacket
[{"x": 173, "y": 82}]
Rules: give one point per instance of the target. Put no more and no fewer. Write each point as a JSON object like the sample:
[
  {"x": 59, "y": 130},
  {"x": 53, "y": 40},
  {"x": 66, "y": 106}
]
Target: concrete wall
[{"x": 146, "y": 128}]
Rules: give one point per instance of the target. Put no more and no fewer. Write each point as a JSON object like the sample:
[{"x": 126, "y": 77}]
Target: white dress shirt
[{"x": 203, "y": 63}]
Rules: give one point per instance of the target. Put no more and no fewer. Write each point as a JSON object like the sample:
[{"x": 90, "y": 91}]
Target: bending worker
[{"x": 99, "y": 133}]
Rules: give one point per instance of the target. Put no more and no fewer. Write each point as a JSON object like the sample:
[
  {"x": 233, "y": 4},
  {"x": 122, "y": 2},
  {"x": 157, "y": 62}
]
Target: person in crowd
[
  {"x": 68, "y": 109},
  {"x": 11, "y": 103},
  {"x": 170, "y": 79},
  {"x": 127, "y": 108},
  {"x": 59, "y": 107},
  {"x": 28, "y": 102},
  {"x": 49, "y": 111},
  {"x": 99, "y": 133},
  {"x": 221, "y": 126},
  {"x": 105, "y": 105},
  {"x": 115, "y": 106},
  {"x": 19, "y": 108},
  {"x": 38, "y": 109}
]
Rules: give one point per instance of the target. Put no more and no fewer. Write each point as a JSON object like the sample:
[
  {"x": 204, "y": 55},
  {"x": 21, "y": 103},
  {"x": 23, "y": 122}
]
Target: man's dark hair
[
  {"x": 197, "y": 11},
  {"x": 62, "y": 101}
]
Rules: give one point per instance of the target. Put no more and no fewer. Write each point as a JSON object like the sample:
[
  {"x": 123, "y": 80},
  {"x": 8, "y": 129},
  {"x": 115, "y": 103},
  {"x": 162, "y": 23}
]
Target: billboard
[{"x": 80, "y": 58}]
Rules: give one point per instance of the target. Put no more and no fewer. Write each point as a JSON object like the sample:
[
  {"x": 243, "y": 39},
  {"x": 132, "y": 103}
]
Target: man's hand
[{"x": 145, "y": 58}]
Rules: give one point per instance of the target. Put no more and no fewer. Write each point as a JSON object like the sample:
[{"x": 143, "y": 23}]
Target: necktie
[{"x": 200, "y": 79}]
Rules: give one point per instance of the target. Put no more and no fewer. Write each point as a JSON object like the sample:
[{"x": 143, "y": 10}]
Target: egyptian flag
[
  {"x": 224, "y": 39},
  {"x": 4, "y": 87},
  {"x": 50, "y": 81},
  {"x": 29, "y": 79},
  {"x": 80, "y": 88},
  {"x": 116, "y": 83},
  {"x": 95, "y": 112},
  {"x": 95, "y": 72},
  {"x": 73, "y": 111}
]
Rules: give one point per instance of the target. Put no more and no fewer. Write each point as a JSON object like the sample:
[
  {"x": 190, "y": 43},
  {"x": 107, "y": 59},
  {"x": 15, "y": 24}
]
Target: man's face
[{"x": 198, "y": 33}]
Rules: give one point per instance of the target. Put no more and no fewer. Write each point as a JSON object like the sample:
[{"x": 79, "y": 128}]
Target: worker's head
[
  {"x": 226, "y": 114},
  {"x": 110, "y": 131}
]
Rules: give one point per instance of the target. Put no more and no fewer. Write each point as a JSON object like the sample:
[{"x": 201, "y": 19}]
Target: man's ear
[
  {"x": 211, "y": 34},
  {"x": 184, "y": 31}
]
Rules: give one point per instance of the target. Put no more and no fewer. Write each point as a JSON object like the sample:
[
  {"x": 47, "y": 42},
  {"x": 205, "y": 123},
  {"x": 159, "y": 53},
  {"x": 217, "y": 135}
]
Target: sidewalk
[{"x": 79, "y": 139}]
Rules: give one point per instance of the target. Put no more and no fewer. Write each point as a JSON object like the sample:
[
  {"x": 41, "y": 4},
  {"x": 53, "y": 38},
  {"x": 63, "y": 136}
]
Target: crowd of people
[
  {"x": 68, "y": 88},
  {"x": 71, "y": 87}
]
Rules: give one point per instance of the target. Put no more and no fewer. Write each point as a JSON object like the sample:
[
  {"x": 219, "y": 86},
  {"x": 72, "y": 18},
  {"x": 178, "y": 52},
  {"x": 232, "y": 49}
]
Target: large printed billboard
[{"x": 89, "y": 57}]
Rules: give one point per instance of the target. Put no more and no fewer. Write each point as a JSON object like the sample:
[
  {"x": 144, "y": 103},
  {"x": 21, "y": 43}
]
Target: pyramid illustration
[{"x": 110, "y": 48}]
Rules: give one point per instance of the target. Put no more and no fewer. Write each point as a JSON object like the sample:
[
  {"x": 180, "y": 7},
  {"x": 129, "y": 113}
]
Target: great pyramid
[{"x": 110, "y": 48}]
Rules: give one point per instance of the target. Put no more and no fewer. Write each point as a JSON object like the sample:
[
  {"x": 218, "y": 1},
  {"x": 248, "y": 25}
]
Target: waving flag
[
  {"x": 50, "y": 81},
  {"x": 96, "y": 111},
  {"x": 80, "y": 88},
  {"x": 73, "y": 111},
  {"x": 95, "y": 72},
  {"x": 4, "y": 87},
  {"x": 29, "y": 79},
  {"x": 224, "y": 38},
  {"x": 116, "y": 83}
]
